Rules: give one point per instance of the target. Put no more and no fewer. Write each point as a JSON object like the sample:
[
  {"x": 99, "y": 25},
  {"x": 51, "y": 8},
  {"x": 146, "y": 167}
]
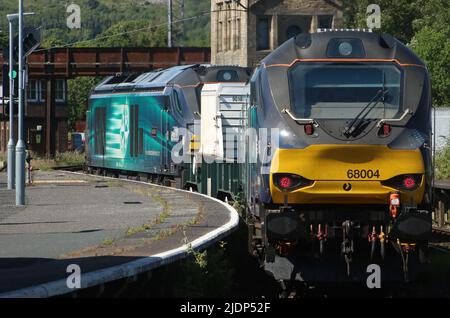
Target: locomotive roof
[
  {"x": 324, "y": 45},
  {"x": 186, "y": 75}
]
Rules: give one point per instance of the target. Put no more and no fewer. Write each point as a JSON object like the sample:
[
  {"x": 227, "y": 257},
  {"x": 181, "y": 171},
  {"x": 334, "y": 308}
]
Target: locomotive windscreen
[{"x": 343, "y": 90}]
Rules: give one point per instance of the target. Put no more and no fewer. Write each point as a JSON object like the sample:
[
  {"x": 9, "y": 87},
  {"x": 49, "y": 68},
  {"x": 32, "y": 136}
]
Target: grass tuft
[{"x": 70, "y": 158}]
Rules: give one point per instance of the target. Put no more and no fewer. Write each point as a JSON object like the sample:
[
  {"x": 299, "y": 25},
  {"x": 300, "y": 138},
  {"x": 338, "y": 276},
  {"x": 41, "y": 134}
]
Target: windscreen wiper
[{"x": 358, "y": 120}]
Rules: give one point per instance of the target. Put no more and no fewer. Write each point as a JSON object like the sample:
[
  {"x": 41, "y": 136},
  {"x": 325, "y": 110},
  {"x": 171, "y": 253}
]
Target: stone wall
[{"x": 282, "y": 14}]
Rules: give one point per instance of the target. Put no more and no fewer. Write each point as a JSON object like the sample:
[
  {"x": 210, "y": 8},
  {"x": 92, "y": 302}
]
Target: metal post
[
  {"x": 11, "y": 159},
  {"x": 20, "y": 147},
  {"x": 169, "y": 23}
]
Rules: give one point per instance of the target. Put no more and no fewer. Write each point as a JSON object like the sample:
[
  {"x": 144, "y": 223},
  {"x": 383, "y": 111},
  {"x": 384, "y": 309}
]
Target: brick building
[
  {"x": 244, "y": 32},
  {"x": 36, "y": 115}
]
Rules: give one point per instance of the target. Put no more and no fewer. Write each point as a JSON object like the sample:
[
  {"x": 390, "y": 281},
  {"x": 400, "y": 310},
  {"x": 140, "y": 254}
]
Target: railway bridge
[{"x": 46, "y": 108}]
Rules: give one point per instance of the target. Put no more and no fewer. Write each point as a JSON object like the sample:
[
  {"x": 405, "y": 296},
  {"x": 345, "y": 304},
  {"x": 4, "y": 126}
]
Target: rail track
[{"x": 441, "y": 231}]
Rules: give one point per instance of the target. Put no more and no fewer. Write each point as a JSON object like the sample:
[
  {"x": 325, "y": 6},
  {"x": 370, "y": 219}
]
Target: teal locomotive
[{"x": 136, "y": 121}]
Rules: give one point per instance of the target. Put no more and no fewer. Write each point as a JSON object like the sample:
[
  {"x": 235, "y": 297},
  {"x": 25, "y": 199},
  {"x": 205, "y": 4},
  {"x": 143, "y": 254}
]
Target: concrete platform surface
[{"x": 110, "y": 228}]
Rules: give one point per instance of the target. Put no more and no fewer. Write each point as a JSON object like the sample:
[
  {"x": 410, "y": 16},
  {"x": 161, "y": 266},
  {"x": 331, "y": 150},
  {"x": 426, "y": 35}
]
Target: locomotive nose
[{"x": 345, "y": 174}]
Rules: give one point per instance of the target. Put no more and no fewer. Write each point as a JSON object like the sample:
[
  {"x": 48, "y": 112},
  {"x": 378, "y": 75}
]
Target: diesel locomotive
[
  {"x": 352, "y": 158},
  {"x": 134, "y": 121}
]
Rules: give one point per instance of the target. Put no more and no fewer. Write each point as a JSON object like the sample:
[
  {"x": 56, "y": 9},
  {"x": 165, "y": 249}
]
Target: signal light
[{"x": 309, "y": 129}]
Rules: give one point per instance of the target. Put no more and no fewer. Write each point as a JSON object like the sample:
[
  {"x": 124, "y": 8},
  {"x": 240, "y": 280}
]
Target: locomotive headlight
[
  {"x": 289, "y": 182},
  {"x": 345, "y": 48}
]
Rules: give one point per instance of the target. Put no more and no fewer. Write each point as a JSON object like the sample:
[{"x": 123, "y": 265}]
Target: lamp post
[
  {"x": 20, "y": 147},
  {"x": 11, "y": 163},
  {"x": 12, "y": 74}
]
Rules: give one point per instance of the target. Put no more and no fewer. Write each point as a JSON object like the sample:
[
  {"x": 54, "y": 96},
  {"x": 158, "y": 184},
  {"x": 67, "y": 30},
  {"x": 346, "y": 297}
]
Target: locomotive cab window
[
  {"x": 342, "y": 91},
  {"x": 176, "y": 100}
]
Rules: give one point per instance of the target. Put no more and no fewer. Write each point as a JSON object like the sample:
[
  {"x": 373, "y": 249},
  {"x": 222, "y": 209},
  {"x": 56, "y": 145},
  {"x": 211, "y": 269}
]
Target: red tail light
[
  {"x": 288, "y": 182},
  {"x": 409, "y": 183},
  {"x": 309, "y": 129},
  {"x": 285, "y": 182}
]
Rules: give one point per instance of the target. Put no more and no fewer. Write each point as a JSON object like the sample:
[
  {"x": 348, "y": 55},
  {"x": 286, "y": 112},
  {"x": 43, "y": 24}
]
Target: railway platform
[{"x": 109, "y": 228}]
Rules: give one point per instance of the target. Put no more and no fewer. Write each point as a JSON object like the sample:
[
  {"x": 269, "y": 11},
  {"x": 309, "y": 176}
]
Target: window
[
  {"x": 325, "y": 21},
  {"x": 136, "y": 134},
  {"x": 229, "y": 36},
  {"x": 60, "y": 90},
  {"x": 43, "y": 90},
  {"x": 100, "y": 130},
  {"x": 238, "y": 35},
  {"x": 293, "y": 31},
  {"x": 33, "y": 88},
  {"x": 220, "y": 37},
  {"x": 263, "y": 34},
  {"x": 176, "y": 99},
  {"x": 342, "y": 91},
  {"x": 229, "y": 32},
  {"x": 59, "y": 87}
]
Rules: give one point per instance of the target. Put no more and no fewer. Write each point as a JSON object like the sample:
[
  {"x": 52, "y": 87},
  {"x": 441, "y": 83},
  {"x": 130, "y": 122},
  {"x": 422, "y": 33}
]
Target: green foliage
[
  {"x": 119, "y": 35},
  {"x": 206, "y": 274},
  {"x": 421, "y": 24},
  {"x": 3, "y": 40},
  {"x": 432, "y": 44},
  {"x": 78, "y": 93},
  {"x": 100, "y": 16},
  {"x": 397, "y": 17},
  {"x": 442, "y": 161}
]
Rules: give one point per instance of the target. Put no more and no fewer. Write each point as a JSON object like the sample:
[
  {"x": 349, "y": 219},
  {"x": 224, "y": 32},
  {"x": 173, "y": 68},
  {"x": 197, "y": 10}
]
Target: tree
[
  {"x": 4, "y": 40},
  {"x": 397, "y": 17},
  {"x": 132, "y": 34},
  {"x": 432, "y": 44},
  {"x": 78, "y": 92}
]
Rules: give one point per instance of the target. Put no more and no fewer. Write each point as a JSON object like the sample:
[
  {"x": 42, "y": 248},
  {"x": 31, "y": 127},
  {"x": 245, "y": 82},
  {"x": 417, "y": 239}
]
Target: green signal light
[{"x": 13, "y": 74}]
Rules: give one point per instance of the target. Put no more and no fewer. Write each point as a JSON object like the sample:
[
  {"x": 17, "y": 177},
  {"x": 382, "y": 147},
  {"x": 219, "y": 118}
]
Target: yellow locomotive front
[
  {"x": 346, "y": 174},
  {"x": 351, "y": 155}
]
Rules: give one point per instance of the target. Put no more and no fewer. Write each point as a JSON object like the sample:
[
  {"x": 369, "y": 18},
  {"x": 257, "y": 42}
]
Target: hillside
[{"x": 109, "y": 17}]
